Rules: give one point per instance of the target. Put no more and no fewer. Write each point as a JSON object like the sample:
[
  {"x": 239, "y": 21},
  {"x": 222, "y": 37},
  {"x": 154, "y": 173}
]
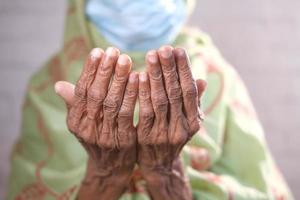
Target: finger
[
  {"x": 115, "y": 94},
  {"x": 189, "y": 89},
  {"x": 66, "y": 91},
  {"x": 79, "y": 105},
  {"x": 113, "y": 101},
  {"x": 146, "y": 113},
  {"x": 145, "y": 104},
  {"x": 98, "y": 90},
  {"x": 126, "y": 130},
  {"x": 171, "y": 81},
  {"x": 158, "y": 94},
  {"x": 88, "y": 73},
  {"x": 201, "y": 86},
  {"x": 129, "y": 100}
]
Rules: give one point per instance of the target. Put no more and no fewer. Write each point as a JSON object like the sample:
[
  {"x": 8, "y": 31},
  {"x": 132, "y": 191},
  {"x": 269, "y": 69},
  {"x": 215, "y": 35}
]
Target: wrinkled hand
[
  {"x": 100, "y": 115},
  {"x": 169, "y": 116}
]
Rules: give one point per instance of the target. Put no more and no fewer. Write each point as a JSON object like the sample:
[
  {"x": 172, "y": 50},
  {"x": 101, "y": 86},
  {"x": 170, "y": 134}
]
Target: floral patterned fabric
[{"x": 228, "y": 159}]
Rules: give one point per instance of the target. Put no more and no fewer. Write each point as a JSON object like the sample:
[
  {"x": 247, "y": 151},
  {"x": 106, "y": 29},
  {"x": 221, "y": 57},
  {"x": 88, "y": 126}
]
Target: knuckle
[
  {"x": 110, "y": 106},
  {"x": 190, "y": 91},
  {"x": 144, "y": 95},
  {"x": 80, "y": 92},
  {"x": 125, "y": 124},
  {"x": 146, "y": 111},
  {"x": 105, "y": 70},
  {"x": 146, "y": 114},
  {"x": 175, "y": 93},
  {"x": 161, "y": 108},
  {"x": 125, "y": 112},
  {"x": 106, "y": 143},
  {"x": 159, "y": 98},
  {"x": 153, "y": 139},
  {"x": 126, "y": 139},
  {"x": 179, "y": 140},
  {"x": 130, "y": 93},
  {"x": 160, "y": 141},
  {"x": 95, "y": 96},
  {"x": 93, "y": 93},
  {"x": 155, "y": 75},
  {"x": 195, "y": 126}
]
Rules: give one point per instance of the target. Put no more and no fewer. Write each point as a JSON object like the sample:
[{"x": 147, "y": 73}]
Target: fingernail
[
  {"x": 143, "y": 76},
  {"x": 165, "y": 51},
  {"x": 96, "y": 53},
  {"x": 111, "y": 51},
  {"x": 152, "y": 56},
  {"x": 123, "y": 65},
  {"x": 133, "y": 77},
  {"x": 57, "y": 87},
  {"x": 180, "y": 52},
  {"x": 124, "y": 60}
]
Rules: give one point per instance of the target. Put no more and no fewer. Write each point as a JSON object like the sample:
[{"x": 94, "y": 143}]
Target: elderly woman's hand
[
  {"x": 100, "y": 115},
  {"x": 169, "y": 116}
]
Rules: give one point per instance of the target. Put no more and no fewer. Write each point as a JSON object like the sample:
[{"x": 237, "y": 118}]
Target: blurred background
[{"x": 260, "y": 38}]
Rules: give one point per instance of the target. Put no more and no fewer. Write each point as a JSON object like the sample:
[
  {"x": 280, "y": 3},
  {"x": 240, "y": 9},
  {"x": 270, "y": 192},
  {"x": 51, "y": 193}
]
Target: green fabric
[{"x": 227, "y": 159}]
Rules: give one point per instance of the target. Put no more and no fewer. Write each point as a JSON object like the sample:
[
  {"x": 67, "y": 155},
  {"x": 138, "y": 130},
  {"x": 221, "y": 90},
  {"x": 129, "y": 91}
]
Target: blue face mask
[{"x": 137, "y": 25}]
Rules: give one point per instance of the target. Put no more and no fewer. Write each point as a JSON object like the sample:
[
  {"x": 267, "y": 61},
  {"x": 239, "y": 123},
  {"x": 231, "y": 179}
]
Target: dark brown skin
[
  {"x": 100, "y": 115},
  {"x": 101, "y": 118},
  {"x": 169, "y": 116}
]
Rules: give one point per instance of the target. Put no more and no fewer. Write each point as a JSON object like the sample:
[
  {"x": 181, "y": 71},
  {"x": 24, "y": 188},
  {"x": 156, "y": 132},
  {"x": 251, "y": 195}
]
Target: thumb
[
  {"x": 66, "y": 91},
  {"x": 201, "y": 86}
]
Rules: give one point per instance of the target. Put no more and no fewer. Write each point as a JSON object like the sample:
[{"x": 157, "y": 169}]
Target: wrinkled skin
[
  {"x": 169, "y": 116},
  {"x": 100, "y": 115}
]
